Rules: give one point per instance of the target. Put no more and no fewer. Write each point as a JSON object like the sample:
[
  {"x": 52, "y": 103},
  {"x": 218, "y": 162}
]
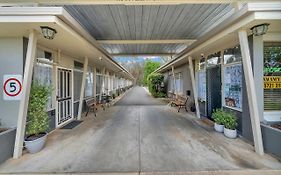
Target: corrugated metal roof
[{"x": 148, "y": 22}]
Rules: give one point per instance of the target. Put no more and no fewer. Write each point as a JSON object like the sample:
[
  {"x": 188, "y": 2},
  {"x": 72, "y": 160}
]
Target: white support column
[
  {"x": 251, "y": 91},
  {"x": 114, "y": 83},
  {"x": 174, "y": 81},
  {"x": 28, "y": 70},
  {"x": 85, "y": 68},
  {"x": 95, "y": 82},
  {"x": 192, "y": 76},
  {"x": 108, "y": 82},
  {"x": 102, "y": 91}
]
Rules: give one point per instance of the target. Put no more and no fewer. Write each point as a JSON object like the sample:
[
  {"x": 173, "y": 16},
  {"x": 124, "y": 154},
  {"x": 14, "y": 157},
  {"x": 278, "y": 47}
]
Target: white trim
[
  {"x": 272, "y": 37},
  {"x": 239, "y": 19},
  {"x": 27, "y": 19},
  {"x": 193, "y": 83},
  {"x": 85, "y": 68},
  {"x": 126, "y": 2}
]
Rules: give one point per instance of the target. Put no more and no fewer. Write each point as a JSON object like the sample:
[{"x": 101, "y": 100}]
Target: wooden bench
[
  {"x": 93, "y": 105},
  {"x": 180, "y": 102}
]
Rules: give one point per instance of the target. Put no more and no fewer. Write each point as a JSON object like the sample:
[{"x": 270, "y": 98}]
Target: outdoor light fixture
[
  {"x": 100, "y": 58},
  {"x": 260, "y": 29},
  {"x": 48, "y": 32}
]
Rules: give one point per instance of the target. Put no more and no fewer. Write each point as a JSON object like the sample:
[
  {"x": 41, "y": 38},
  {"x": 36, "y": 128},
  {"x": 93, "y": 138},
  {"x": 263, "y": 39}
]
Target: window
[
  {"x": 178, "y": 83},
  {"x": 89, "y": 83},
  {"x": 232, "y": 78},
  {"x": 43, "y": 72},
  {"x": 214, "y": 59},
  {"x": 272, "y": 77},
  {"x": 202, "y": 85},
  {"x": 232, "y": 55},
  {"x": 232, "y": 83}
]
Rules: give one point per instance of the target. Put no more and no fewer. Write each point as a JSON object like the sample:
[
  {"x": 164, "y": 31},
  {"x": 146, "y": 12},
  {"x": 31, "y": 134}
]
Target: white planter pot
[
  {"x": 218, "y": 127},
  {"x": 37, "y": 145},
  {"x": 230, "y": 133}
]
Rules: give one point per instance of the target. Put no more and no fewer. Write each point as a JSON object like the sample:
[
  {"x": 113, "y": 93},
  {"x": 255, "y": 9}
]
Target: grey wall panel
[
  {"x": 7, "y": 141},
  {"x": 75, "y": 109},
  {"x": 77, "y": 84},
  {"x": 271, "y": 140},
  {"x": 52, "y": 120},
  {"x": 11, "y": 62},
  {"x": 202, "y": 108}
]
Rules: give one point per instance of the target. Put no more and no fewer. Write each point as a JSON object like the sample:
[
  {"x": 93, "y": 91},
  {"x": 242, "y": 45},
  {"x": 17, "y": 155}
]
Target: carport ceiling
[{"x": 148, "y": 29}]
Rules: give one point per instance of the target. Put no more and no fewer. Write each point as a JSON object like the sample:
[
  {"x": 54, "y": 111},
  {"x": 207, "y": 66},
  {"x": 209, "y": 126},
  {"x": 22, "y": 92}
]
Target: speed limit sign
[{"x": 12, "y": 87}]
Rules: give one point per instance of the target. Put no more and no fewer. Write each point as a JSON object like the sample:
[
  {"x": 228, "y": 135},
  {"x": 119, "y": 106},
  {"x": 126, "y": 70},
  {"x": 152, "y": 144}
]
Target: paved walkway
[{"x": 140, "y": 134}]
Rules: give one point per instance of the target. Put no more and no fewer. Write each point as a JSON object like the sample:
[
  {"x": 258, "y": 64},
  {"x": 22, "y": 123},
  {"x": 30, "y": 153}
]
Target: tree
[
  {"x": 154, "y": 81},
  {"x": 149, "y": 67}
]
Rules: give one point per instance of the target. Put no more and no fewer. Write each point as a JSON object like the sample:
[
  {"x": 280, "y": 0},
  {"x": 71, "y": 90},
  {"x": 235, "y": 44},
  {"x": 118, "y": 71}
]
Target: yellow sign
[
  {"x": 272, "y": 85},
  {"x": 272, "y": 82}
]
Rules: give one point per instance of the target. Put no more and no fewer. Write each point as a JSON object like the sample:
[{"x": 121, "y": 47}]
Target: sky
[{"x": 137, "y": 59}]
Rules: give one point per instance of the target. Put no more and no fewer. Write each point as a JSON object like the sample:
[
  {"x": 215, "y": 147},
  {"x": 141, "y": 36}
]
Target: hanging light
[
  {"x": 48, "y": 32},
  {"x": 260, "y": 29}
]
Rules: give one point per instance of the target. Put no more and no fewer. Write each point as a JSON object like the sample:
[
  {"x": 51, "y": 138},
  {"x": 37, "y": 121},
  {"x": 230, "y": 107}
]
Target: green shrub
[
  {"x": 154, "y": 81},
  {"x": 218, "y": 116},
  {"x": 230, "y": 121},
  {"x": 225, "y": 118},
  {"x": 38, "y": 120}
]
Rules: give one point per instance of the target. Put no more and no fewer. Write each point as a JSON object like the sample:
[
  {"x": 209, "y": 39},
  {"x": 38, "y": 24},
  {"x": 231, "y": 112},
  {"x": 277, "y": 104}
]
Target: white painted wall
[
  {"x": 11, "y": 62},
  {"x": 186, "y": 79}
]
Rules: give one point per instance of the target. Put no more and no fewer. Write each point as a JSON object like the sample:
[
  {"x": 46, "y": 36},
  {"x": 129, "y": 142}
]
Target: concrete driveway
[{"x": 141, "y": 134}]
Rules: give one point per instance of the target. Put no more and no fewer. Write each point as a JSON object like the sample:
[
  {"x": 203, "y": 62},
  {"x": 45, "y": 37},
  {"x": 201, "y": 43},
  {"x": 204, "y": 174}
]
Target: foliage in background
[
  {"x": 38, "y": 120},
  {"x": 225, "y": 118},
  {"x": 149, "y": 67},
  {"x": 136, "y": 69},
  {"x": 154, "y": 82}
]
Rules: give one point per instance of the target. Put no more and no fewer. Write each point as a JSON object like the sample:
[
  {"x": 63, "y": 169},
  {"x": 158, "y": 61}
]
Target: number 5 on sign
[{"x": 12, "y": 87}]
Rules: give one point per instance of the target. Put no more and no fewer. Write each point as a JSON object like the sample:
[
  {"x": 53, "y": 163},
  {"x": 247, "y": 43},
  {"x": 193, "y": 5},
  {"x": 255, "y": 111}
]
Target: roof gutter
[
  {"x": 63, "y": 15},
  {"x": 245, "y": 11}
]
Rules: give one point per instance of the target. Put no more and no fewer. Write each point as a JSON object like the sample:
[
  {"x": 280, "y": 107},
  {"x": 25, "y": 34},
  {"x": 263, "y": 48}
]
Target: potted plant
[
  {"x": 37, "y": 118},
  {"x": 218, "y": 116},
  {"x": 230, "y": 124}
]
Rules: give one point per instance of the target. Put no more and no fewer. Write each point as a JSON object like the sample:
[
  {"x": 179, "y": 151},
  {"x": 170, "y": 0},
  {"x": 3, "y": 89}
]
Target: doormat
[{"x": 72, "y": 124}]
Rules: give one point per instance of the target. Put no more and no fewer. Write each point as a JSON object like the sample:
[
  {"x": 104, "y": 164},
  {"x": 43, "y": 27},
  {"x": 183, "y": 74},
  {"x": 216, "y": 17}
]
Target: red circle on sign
[{"x": 12, "y": 79}]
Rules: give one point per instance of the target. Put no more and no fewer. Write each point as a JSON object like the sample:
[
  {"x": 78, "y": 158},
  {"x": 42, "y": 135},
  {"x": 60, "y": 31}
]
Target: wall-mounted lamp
[
  {"x": 100, "y": 58},
  {"x": 48, "y": 32},
  {"x": 260, "y": 29}
]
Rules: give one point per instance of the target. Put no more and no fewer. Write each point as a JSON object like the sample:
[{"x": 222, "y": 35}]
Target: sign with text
[
  {"x": 272, "y": 82},
  {"x": 12, "y": 87}
]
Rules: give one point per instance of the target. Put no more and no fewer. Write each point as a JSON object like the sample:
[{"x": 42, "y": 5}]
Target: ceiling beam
[
  {"x": 126, "y": 2},
  {"x": 172, "y": 41},
  {"x": 142, "y": 54}
]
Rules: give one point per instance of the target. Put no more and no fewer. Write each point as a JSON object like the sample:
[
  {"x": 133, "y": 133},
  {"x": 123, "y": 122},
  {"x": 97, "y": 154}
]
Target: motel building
[
  {"x": 70, "y": 62},
  {"x": 232, "y": 61}
]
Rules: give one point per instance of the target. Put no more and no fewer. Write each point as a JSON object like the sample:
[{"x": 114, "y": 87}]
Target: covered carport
[{"x": 155, "y": 28}]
